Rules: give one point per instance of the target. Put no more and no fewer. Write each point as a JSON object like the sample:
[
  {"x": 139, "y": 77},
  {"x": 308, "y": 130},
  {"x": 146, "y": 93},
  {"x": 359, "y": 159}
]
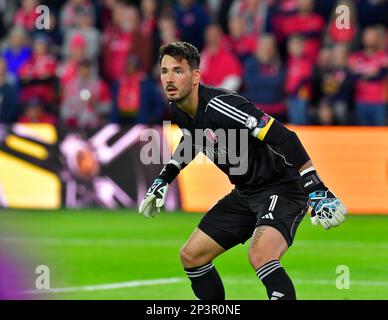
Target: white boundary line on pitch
[
  {"x": 172, "y": 242},
  {"x": 361, "y": 283},
  {"x": 142, "y": 283},
  {"x": 110, "y": 286}
]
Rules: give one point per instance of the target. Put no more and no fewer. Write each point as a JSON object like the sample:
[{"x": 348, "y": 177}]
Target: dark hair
[{"x": 180, "y": 51}]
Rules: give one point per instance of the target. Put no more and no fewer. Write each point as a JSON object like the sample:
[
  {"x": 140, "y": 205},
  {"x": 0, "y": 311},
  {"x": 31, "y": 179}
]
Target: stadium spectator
[
  {"x": 122, "y": 38},
  {"x": 167, "y": 32},
  {"x": 220, "y": 12},
  {"x": 141, "y": 40},
  {"x": 321, "y": 66},
  {"x": 336, "y": 88},
  {"x": 34, "y": 112},
  {"x": 336, "y": 33},
  {"x": 298, "y": 88},
  {"x": 18, "y": 51},
  {"x": 106, "y": 13},
  {"x": 277, "y": 12},
  {"x": 9, "y": 106},
  {"x": 253, "y": 12},
  {"x": 239, "y": 41},
  {"x": 149, "y": 21},
  {"x": 83, "y": 26},
  {"x": 136, "y": 97},
  {"x": 369, "y": 67},
  {"x": 191, "y": 19},
  {"x": 264, "y": 77},
  {"x": 219, "y": 67},
  {"x": 26, "y": 16},
  {"x": 213, "y": 8},
  {"x": 3, "y": 11},
  {"x": 37, "y": 75},
  {"x": 372, "y": 12},
  {"x": 86, "y": 99},
  {"x": 68, "y": 69},
  {"x": 69, "y": 13},
  {"x": 303, "y": 22},
  {"x": 54, "y": 35},
  {"x": 149, "y": 10}
]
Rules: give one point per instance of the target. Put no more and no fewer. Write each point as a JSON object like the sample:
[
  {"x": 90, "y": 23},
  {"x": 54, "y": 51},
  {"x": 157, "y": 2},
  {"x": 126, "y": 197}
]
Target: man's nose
[{"x": 170, "y": 77}]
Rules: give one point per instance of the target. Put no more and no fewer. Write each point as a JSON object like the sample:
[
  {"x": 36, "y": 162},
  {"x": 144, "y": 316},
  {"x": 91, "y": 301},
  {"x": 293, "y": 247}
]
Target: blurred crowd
[{"x": 97, "y": 62}]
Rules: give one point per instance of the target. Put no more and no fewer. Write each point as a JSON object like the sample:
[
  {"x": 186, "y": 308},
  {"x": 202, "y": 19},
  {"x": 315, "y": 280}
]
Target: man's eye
[{"x": 179, "y": 71}]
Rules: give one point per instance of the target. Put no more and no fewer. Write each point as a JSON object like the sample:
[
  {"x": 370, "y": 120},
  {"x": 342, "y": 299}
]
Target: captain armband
[{"x": 259, "y": 128}]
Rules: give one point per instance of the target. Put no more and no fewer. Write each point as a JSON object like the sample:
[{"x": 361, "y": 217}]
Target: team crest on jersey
[
  {"x": 211, "y": 136},
  {"x": 251, "y": 122},
  {"x": 264, "y": 121}
]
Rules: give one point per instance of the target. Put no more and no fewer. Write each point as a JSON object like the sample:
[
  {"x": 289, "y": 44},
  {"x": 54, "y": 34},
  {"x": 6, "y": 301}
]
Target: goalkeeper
[{"x": 269, "y": 200}]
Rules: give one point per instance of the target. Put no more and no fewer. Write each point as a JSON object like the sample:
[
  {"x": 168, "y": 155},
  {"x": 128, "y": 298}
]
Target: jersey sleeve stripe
[
  {"x": 228, "y": 110},
  {"x": 242, "y": 113},
  {"x": 263, "y": 131},
  {"x": 215, "y": 107}
]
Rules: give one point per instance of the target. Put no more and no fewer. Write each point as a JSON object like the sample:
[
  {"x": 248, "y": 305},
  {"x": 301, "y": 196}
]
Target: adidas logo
[
  {"x": 268, "y": 216},
  {"x": 276, "y": 295}
]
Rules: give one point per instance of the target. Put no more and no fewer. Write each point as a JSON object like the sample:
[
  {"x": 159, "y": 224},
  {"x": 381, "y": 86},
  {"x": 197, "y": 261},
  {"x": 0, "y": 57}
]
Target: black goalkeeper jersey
[{"x": 232, "y": 132}]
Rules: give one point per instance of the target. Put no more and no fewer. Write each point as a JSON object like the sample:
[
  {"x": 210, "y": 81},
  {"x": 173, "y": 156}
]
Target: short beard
[{"x": 179, "y": 99}]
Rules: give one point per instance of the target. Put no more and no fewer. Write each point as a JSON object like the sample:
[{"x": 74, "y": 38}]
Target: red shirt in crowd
[
  {"x": 371, "y": 83},
  {"x": 243, "y": 46},
  {"x": 215, "y": 67},
  {"x": 129, "y": 94},
  {"x": 116, "y": 46},
  {"x": 299, "y": 72},
  {"x": 149, "y": 26},
  {"x": 38, "y": 68},
  {"x": 310, "y": 26},
  {"x": 68, "y": 72},
  {"x": 341, "y": 35},
  {"x": 26, "y": 19},
  {"x": 85, "y": 102}
]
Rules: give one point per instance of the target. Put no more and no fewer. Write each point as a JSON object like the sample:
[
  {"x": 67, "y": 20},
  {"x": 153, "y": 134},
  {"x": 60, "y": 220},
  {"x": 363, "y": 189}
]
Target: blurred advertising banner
[{"x": 42, "y": 166}]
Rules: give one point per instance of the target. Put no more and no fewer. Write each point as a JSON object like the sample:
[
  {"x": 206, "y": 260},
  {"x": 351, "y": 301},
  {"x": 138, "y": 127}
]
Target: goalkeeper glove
[
  {"x": 325, "y": 208},
  {"x": 154, "y": 199}
]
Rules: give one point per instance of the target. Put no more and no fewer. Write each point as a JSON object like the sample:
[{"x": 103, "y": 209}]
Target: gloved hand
[
  {"x": 154, "y": 199},
  {"x": 325, "y": 208}
]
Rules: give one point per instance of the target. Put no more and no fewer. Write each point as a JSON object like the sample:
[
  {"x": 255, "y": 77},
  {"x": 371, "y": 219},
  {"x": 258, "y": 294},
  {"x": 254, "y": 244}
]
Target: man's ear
[{"x": 196, "y": 76}]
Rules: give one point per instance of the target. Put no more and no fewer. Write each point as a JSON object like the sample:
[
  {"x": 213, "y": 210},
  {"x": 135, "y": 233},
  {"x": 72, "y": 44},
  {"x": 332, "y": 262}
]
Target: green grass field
[{"x": 114, "y": 252}]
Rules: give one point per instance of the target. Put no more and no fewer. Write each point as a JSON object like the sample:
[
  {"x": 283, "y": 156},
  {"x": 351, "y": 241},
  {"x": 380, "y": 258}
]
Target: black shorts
[{"x": 233, "y": 219}]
